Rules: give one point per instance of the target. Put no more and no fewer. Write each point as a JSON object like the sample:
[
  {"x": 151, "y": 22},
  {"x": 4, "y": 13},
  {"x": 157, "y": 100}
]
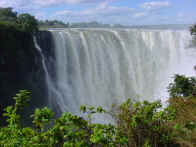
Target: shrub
[
  {"x": 28, "y": 23},
  {"x": 140, "y": 124},
  {"x": 7, "y": 14},
  {"x": 193, "y": 30},
  {"x": 24, "y": 22},
  {"x": 182, "y": 86},
  {"x": 186, "y": 120},
  {"x": 145, "y": 124},
  {"x": 69, "y": 130}
]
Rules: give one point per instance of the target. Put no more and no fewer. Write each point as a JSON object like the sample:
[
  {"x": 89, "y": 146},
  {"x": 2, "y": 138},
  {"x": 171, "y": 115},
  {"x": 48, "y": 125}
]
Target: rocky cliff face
[
  {"x": 46, "y": 42},
  {"x": 21, "y": 67}
]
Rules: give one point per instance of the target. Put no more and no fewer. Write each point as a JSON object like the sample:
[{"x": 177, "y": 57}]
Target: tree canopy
[
  {"x": 24, "y": 22},
  {"x": 53, "y": 24},
  {"x": 7, "y": 14},
  {"x": 28, "y": 22},
  {"x": 193, "y": 29}
]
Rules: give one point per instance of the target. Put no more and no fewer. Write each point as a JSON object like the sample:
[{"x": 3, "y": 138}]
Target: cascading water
[
  {"x": 51, "y": 89},
  {"x": 107, "y": 66}
]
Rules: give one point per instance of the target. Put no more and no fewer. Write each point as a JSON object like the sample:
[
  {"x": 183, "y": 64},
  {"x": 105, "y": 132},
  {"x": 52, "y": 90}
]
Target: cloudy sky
[{"x": 131, "y": 12}]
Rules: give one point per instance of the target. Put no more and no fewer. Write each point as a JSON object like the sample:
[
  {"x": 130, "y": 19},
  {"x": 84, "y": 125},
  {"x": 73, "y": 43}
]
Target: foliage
[
  {"x": 193, "y": 30},
  {"x": 93, "y": 24},
  {"x": 182, "y": 86},
  {"x": 53, "y": 24},
  {"x": 42, "y": 117},
  {"x": 140, "y": 124},
  {"x": 69, "y": 130},
  {"x": 23, "y": 22},
  {"x": 7, "y": 15},
  {"x": 4, "y": 25},
  {"x": 28, "y": 22},
  {"x": 186, "y": 120},
  {"x": 146, "y": 124}
]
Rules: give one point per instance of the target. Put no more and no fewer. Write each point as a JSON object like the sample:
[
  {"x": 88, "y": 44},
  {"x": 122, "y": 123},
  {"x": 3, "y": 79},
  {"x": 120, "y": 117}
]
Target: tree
[
  {"x": 182, "y": 86},
  {"x": 53, "y": 24},
  {"x": 193, "y": 29},
  {"x": 28, "y": 23},
  {"x": 7, "y": 14}
]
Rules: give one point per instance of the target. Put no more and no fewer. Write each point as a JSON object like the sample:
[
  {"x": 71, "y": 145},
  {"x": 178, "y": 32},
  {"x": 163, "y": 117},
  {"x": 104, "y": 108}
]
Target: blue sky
[{"x": 130, "y": 12}]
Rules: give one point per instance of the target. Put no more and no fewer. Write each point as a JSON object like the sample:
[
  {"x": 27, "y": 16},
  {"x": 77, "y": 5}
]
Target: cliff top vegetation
[
  {"x": 193, "y": 29},
  {"x": 23, "y": 22}
]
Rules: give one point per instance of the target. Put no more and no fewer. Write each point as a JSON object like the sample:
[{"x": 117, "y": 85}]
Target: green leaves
[
  {"x": 28, "y": 22},
  {"x": 20, "y": 101},
  {"x": 7, "y": 15},
  {"x": 23, "y": 22},
  {"x": 42, "y": 117},
  {"x": 193, "y": 30},
  {"x": 182, "y": 86},
  {"x": 144, "y": 124},
  {"x": 190, "y": 125},
  {"x": 22, "y": 98},
  {"x": 103, "y": 135},
  {"x": 83, "y": 108}
]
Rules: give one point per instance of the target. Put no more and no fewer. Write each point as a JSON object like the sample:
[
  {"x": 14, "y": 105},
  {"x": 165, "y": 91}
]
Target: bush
[
  {"x": 182, "y": 86},
  {"x": 193, "y": 30},
  {"x": 69, "y": 130},
  {"x": 24, "y": 22},
  {"x": 140, "y": 124},
  {"x": 9, "y": 26},
  {"x": 7, "y": 14},
  {"x": 28, "y": 23},
  {"x": 146, "y": 124},
  {"x": 185, "y": 120}
]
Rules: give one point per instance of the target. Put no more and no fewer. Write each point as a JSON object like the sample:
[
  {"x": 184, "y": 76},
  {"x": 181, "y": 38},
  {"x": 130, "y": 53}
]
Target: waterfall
[
  {"x": 52, "y": 92},
  {"x": 107, "y": 66}
]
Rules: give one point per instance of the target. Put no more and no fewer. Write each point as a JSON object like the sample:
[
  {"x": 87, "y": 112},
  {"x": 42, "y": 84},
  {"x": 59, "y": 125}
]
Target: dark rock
[{"x": 21, "y": 67}]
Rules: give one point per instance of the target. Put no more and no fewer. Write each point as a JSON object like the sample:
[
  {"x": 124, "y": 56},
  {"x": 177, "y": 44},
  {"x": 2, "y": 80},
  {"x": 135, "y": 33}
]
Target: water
[{"x": 107, "y": 66}]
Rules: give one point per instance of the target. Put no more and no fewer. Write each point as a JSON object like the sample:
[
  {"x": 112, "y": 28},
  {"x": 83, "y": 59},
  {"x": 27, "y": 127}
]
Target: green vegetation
[
  {"x": 140, "y": 124},
  {"x": 59, "y": 24},
  {"x": 28, "y": 23},
  {"x": 7, "y": 15},
  {"x": 23, "y": 22},
  {"x": 193, "y": 30},
  {"x": 92, "y": 24},
  {"x": 52, "y": 24},
  {"x": 193, "y": 33},
  {"x": 182, "y": 86}
]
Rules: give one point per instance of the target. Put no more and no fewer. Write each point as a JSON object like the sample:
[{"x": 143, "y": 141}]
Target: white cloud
[
  {"x": 140, "y": 14},
  {"x": 56, "y": 2},
  {"x": 36, "y": 4},
  {"x": 40, "y": 15},
  {"x": 65, "y": 12},
  {"x": 155, "y": 5},
  {"x": 14, "y": 3},
  {"x": 102, "y": 12},
  {"x": 102, "y": 9}
]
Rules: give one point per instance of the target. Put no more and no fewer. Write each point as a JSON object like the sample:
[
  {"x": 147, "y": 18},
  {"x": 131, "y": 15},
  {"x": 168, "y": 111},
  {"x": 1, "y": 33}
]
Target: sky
[{"x": 127, "y": 12}]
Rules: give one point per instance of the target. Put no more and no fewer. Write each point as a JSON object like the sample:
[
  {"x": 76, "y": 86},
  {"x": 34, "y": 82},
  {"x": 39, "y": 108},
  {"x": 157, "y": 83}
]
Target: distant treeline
[
  {"x": 95, "y": 24},
  {"x": 8, "y": 16},
  {"x": 60, "y": 24},
  {"x": 53, "y": 24}
]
